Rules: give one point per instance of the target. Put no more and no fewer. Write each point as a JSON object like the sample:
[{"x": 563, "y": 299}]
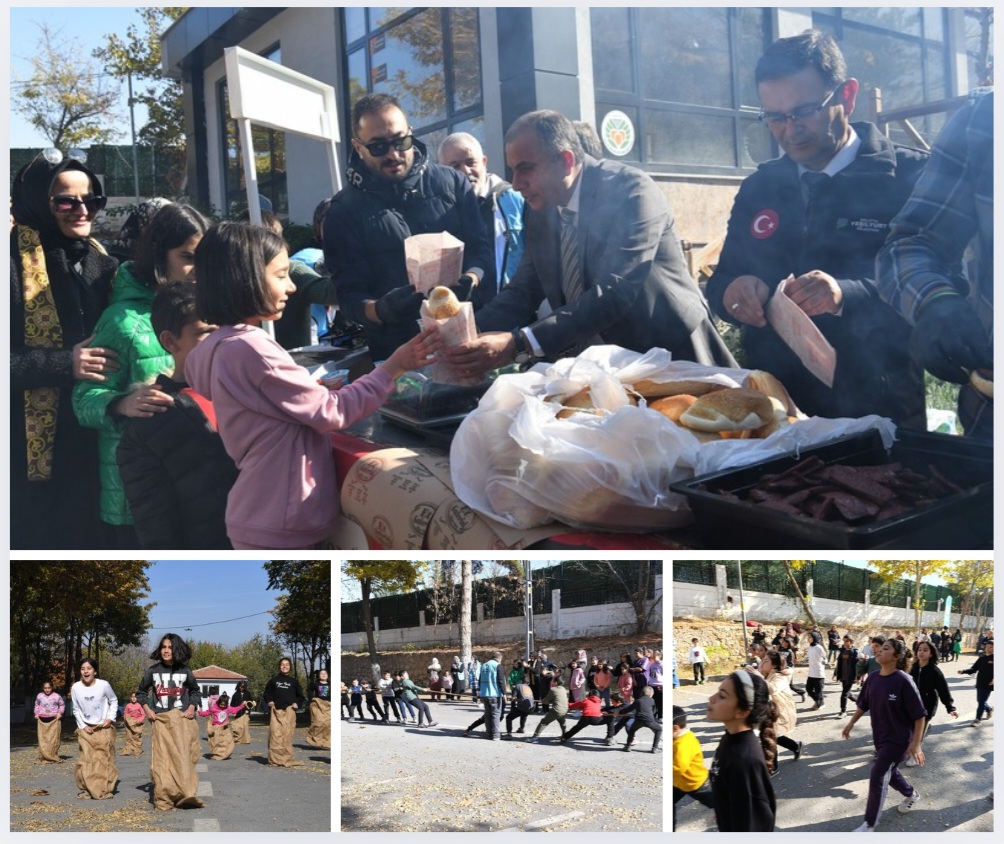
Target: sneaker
[
  {"x": 864, "y": 828},
  {"x": 990, "y": 713},
  {"x": 534, "y": 740},
  {"x": 976, "y": 723},
  {"x": 798, "y": 750},
  {"x": 815, "y": 706},
  {"x": 467, "y": 733},
  {"x": 656, "y": 750},
  {"x": 608, "y": 742},
  {"x": 520, "y": 730},
  {"x": 910, "y": 762},
  {"x": 842, "y": 713},
  {"x": 909, "y": 802},
  {"x": 773, "y": 771},
  {"x": 432, "y": 724}
]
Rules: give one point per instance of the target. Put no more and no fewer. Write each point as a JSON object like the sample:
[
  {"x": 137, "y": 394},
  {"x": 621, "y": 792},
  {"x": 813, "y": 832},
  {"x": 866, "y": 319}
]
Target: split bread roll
[
  {"x": 654, "y": 389},
  {"x": 737, "y": 409},
  {"x": 767, "y": 384},
  {"x": 443, "y": 303},
  {"x": 673, "y": 407}
]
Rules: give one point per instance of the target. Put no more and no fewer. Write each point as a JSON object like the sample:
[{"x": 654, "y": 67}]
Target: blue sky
[
  {"x": 88, "y": 26},
  {"x": 196, "y": 599}
]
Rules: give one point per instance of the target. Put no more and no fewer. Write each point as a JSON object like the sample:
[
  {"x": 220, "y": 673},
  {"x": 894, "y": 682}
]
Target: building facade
[{"x": 669, "y": 89}]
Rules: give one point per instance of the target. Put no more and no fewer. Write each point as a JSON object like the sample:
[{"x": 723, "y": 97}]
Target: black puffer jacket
[
  {"x": 177, "y": 476},
  {"x": 368, "y": 222},
  {"x": 770, "y": 237}
]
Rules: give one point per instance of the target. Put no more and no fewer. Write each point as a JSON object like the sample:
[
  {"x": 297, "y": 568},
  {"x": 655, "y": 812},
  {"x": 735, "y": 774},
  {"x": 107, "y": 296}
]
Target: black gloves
[
  {"x": 464, "y": 288},
  {"x": 399, "y": 305},
  {"x": 949, "y": 340}
]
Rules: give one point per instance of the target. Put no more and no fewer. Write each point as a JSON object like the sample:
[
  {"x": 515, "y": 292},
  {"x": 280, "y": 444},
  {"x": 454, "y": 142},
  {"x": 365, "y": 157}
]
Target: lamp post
[
  {"x": 528, "y": 606},
  {"x": 742, "y": 610},
  {"x": 135, "y": 152}
]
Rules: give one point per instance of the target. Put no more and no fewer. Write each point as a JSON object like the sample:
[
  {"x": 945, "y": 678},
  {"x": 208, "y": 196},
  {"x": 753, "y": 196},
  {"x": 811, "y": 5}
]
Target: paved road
[
  {"x": 826, "y": 790},
  {"x": 242, "y": 794},
  {"x": 401, "y": 778}
]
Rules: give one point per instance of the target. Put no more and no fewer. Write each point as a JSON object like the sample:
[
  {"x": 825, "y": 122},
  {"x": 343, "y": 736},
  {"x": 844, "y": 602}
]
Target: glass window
[
  {"x": 407, "y": 61},
  {"x": 890, "y": 19},
  {"x": 685, "y": 78},
  {"x": 466, "y": 58},
  {"x": 612, "y": 49},
  {"x": 685, "y": 56},
  {"x": 679, "y": 138},
  {"x": 270, "y": 162},
  {"x": 430, "y": 59},
  {"x": 355, "y": 23}
]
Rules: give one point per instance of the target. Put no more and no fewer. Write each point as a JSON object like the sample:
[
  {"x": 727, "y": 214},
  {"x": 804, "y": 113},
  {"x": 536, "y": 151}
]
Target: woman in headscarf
[{"x": 60, "y": 280}]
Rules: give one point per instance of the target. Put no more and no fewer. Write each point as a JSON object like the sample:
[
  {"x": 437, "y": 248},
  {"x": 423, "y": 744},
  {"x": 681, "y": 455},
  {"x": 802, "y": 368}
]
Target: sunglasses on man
[
  {"x": 70, "y": 204},
  {"x": 381, "y": 146}
]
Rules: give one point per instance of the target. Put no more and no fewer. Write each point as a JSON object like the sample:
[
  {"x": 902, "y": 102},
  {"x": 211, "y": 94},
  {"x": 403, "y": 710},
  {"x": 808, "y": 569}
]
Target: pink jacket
[
  {"x": 220, "y": 715},
  {"x": 273, "y": 419}
]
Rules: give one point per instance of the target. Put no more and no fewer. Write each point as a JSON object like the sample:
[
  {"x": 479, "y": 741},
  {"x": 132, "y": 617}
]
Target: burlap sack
[
  {"x": 96, "y": 771},
  {"x": 134, "y": 736},
  {"x": 49, "y": 735},
  {"x": 195, "y": 740},
  {"x": 240, "y": 728},
  {"x": 319, "y": 734},
  {"x": 172, "y": 767},
  {"x": 221, "y": 741},
  {"x": 281, "y": 726}
]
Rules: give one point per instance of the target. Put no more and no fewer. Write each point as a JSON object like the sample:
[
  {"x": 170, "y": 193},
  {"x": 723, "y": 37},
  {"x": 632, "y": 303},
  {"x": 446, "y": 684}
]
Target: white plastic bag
[{"x": 513, "y": 460}]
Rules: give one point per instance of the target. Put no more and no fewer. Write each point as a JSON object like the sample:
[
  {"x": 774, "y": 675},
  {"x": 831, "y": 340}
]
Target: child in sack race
[{"x": 170, "y": 695}]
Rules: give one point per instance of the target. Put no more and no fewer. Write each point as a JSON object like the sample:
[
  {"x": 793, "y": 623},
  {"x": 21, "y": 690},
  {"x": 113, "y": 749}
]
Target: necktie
[{"x": 571, "y": 267}]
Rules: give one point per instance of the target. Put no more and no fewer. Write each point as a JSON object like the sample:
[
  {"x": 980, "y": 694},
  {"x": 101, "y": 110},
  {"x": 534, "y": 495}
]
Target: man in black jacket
[
  {"x": 821, "y": 213},
  {"x": 393, "y": 191}
]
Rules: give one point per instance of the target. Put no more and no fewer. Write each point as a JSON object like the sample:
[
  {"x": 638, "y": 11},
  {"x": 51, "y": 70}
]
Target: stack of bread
[{"x": 710, "y": 411}]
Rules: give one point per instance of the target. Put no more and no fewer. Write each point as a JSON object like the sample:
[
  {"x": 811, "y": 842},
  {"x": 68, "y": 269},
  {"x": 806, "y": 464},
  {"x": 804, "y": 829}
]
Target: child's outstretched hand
[{"x": 418, "y": 352}]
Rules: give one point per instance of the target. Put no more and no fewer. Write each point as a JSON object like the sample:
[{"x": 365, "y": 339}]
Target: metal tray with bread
[{"x": 734, "y": 506}]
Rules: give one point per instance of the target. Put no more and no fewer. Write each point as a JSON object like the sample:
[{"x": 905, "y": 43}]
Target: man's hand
[
  {"x": 91, "y": 364},
  {"x": 141, "y": 403},
  {"x": 464, "y": 287},
  {"x": 399, "y": 305},
  {"x": 949, "y": 340},
  {"x": 744, "y": 299},
  {"x": 816, "y": 293},
  {"x": 476, "y": 357}
]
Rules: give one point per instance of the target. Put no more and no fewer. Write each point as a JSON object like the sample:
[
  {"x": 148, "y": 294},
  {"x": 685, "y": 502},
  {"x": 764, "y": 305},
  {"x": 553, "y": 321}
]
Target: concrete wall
[
  {"x": 560, "y": 623},
  {"x": 693, "y": 600}
]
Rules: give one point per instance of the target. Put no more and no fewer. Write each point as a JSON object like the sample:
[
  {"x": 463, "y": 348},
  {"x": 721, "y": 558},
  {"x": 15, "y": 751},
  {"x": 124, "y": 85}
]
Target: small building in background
[{"x": 214, "y": 680}]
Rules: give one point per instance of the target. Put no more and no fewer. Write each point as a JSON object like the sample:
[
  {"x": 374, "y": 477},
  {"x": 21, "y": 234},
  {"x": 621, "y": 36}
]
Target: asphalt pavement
[
  {"x": 241, "y": 794},
  {"x": 403, "y": 778},
  {"x": 827, "y": 788}
]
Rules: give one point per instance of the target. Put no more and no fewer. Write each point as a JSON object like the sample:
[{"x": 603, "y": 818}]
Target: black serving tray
[{"x": 962, "y": 521}]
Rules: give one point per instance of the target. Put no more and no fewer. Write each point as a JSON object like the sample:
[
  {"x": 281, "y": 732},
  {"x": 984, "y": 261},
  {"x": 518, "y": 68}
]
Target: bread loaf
[
  {"x": 443, "y": 303},
  {"x": 737, "y": 409},
  {"x": 767, "y": 384},
  {"x": 673, "y": 407}
]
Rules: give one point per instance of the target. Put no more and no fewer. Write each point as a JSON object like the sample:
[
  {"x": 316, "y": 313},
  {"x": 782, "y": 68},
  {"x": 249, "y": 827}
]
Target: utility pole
[
  {"x": 528, "y": 607},
  {"x": 135, "y": 152}
]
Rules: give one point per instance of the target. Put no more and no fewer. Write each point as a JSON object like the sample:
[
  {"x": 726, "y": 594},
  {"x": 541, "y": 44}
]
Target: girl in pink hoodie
[{"x": 273, "y": 418}]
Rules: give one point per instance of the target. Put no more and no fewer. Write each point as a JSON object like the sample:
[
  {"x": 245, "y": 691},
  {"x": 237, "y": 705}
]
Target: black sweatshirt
[
  {"x": 983, "y": 668},
  {"x": 931, "y": 684},
  {"x": 740, "y": 784},
  {"x": 283, "y": 690}
]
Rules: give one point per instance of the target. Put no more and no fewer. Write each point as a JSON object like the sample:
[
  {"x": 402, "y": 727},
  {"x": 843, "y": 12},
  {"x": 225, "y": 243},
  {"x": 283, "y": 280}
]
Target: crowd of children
[
  {"x": 531, "y": 686},
  {"x": 898, "y": 688},
  {"x": 168, "y": 698}
]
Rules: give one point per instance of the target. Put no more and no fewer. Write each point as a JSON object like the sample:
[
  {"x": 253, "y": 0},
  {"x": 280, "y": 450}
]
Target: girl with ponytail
[
  {"x": 740, "y": 779},
  {"x": 898, "y": 717}
]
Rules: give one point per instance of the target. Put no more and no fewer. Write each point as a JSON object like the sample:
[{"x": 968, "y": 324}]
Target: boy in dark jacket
[
  {"x": 175, "y": 471},
  {"x": 643, "y": 709},
  {"x": 983, "y": 668}
]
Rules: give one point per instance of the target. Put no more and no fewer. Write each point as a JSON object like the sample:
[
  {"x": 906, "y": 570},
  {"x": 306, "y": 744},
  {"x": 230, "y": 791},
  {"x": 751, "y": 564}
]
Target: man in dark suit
[{"x": 601, "y": 249}]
